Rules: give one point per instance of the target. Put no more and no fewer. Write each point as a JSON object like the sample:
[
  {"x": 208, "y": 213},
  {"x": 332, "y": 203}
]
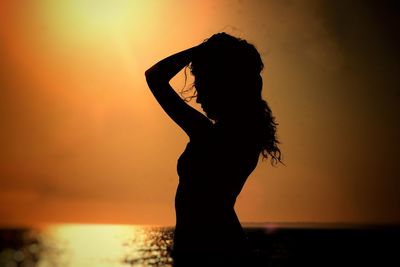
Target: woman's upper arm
[{"x": 188, "y": 118}]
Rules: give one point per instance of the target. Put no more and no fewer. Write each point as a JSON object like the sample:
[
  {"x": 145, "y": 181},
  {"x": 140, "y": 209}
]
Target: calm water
[{"x": 78, "y": 245}]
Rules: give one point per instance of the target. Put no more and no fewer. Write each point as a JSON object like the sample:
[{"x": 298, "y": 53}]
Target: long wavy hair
[{"x": 232, "y": 67}]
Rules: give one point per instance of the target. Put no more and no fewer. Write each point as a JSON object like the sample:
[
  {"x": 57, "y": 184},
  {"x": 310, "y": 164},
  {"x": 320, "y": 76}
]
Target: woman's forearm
[{"x": 164, "y": 70}]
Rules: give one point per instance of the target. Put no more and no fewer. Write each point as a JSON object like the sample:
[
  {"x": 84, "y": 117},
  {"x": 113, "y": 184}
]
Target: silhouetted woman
[{"x": 224, "y": 145}]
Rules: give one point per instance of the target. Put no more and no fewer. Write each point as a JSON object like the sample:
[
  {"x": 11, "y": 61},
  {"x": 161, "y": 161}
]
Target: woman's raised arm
[{"x": 158, "y": 77}]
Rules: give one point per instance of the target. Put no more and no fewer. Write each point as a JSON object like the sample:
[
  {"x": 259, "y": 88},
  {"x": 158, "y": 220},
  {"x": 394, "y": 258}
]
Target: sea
[{"x": 272, "y": 244}]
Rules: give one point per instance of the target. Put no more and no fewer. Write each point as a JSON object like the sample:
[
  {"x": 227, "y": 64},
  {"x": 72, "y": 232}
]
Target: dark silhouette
[{"x": 224, "y": 146}]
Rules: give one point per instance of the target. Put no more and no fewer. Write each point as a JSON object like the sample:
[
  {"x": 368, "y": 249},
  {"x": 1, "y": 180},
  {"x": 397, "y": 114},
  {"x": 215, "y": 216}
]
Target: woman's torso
[{"x": 212, "y": 171}]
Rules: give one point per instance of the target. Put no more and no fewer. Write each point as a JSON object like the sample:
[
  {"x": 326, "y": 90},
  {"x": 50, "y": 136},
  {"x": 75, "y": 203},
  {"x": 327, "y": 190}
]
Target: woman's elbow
[
  {"x": 148, "y": 72},
  {"x": 154, "y": 77},
  {"x": 150, "y": 76}
]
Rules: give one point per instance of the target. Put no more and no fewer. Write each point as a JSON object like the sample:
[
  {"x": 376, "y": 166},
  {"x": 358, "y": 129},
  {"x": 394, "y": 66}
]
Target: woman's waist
[{"x": 203, "y": 201}]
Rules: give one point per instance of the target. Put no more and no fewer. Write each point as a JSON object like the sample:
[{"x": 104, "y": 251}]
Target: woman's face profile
[
  {"x": 208, "y": 95},
  {"x": 206, "y": 104}
]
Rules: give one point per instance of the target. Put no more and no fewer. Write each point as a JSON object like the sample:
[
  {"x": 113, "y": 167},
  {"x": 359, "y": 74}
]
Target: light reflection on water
[
  {"x": 77, "y": 245},
  {"x": 144, "y": 246}
]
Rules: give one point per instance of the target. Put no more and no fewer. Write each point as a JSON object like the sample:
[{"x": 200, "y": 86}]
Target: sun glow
[
  {"x": 95, "y": 245},
  {"x": 91, "y": 20}
]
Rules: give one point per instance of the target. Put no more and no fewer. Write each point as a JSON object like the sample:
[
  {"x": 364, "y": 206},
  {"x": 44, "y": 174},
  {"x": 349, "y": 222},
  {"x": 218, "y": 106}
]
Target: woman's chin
[{"x": 210, "y": 115}]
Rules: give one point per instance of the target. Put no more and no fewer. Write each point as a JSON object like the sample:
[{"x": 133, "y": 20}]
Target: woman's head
[
  {"x": 227, "y": 75},
  {"x": 228, "y": 84}
]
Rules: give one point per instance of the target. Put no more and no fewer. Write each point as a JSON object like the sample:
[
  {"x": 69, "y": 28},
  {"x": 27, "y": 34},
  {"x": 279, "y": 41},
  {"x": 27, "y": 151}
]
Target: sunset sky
[{"x": 83, "y": 140}]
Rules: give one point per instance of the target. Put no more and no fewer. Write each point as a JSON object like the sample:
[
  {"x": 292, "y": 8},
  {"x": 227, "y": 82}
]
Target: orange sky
[{"x": 83, "y": 140}]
